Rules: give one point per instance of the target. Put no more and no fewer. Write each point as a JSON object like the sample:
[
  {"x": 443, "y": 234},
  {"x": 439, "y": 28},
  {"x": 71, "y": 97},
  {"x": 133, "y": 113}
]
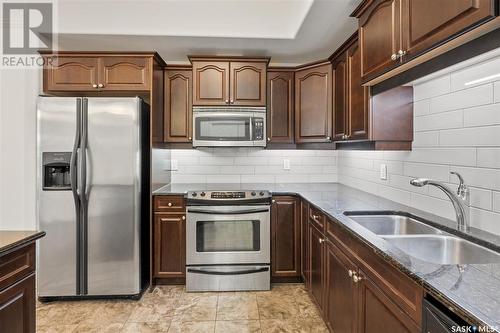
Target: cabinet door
[
  {"x": 178, "y": 105},
  {"x": 280, "y": 95},
  {"x": 378, "y": 314},
  {"x": 170, "y": 246},
  {"x": 211, "y": 83},
  {"x": 304, "y": 220},
  {"x": 125, "y": 73},
  {"x": 341, "y": 292},
  {"x": 379, "y": 37},
  {"x": 316, "y": 262},
  {"x": 357, "y": 96},
  {"x": 339, "y": 97},
  {"x": 70, "y": 74},
  {"x": 248, "y": 83},
  {"x": 285, "y": 237},
  {"x": 17, "y": 307},
  {"x": 429, "y": 22},
  {"x": 313, "y": 104}
]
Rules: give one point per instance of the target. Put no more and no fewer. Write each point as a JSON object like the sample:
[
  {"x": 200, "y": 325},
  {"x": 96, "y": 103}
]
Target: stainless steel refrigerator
[{"x": 92, "y": 196}]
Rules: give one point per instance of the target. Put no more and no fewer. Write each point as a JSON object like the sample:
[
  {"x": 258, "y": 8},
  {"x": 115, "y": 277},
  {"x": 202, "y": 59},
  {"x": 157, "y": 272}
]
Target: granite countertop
[
  {"x": 12, "y": 239},
  {"x": 473, "y": 289}
]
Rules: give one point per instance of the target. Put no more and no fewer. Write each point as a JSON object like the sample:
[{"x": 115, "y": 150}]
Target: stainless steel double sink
[{"x": 423, "y": 241}]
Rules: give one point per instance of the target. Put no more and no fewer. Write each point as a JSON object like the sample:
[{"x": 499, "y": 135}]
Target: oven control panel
[{"x": 229, "y": 195}]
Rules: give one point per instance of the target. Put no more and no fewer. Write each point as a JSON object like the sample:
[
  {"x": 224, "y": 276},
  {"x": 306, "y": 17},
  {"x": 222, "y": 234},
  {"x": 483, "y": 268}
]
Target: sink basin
[
  {"x": 393, "y": 224},
  {"x": 444, "y": 249}
]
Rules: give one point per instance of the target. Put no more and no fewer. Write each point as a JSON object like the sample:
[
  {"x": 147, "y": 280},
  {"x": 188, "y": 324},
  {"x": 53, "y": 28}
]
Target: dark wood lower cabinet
[
  {"x": 378, "y": 314},
  {"x": 285, "y": 238},
  {"x": 17, "y": 307},
  {"x": 169, "y": 241},
  {"x": 304, "y": 227},
  {"x": 341, "y": 292},
  {"x": 316, "y": 262}
]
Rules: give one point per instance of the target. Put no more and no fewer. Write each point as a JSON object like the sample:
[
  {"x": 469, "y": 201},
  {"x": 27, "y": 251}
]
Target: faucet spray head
[{"x": 419, "y": 182}]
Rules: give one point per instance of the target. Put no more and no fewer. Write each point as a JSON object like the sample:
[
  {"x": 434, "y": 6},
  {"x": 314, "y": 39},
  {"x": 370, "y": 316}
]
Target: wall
[
  {"x": 457, "y": 128},
  {"x": 18, "y": 91},
  {"x": 252, "y": 165}
]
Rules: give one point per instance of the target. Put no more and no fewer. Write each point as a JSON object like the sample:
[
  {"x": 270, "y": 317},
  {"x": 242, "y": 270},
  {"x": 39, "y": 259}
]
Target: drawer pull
[
  {"x": 351, "y": 273},
  {"x": 356, "y": 278},
  {"x": 169, "y": 204}
]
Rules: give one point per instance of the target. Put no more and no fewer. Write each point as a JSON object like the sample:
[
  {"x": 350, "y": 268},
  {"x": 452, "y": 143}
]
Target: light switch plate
[
  {"x": 286, "y": 164},
  {"x": 383, "y": 171},
  {"x": 174, "y": 165}
]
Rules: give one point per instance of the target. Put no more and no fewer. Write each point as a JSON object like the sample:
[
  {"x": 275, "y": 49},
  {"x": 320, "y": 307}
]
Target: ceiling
[{"x": 289, "y": 31}]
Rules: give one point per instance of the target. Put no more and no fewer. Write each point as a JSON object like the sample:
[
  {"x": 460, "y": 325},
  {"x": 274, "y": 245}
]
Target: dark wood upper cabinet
[
  {"x": 316, "y": 262},
  {"x": 393, "y": 32},
  {"x": 377, "y": 313},
  {"x": 71, "y": 73},
  {"x": 341, "y": 292},
  {"x": 248, "y": 83},
  {"x": 211, "y": 83},
  {"x": 125, "y": 73},
  {"x": 229, "y": 81},
  {"x": 285, "y": 238},
  {"x": 430, "y": 22},
  {"x": 357, "y": 96},
  {"x": 313, "y": 104},
  {"x": 379, "y": 37},
  {"x": 280, "y": 106},
  {"x": 340, "y": 116},
  {"x": 178, "y": 104}
]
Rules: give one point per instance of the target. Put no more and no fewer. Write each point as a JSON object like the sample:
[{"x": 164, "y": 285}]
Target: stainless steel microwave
[{"x": 229, "y": 126}]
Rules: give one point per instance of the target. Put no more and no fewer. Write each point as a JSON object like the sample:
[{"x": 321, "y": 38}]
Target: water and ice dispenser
[{"x": 56, "y": 171}]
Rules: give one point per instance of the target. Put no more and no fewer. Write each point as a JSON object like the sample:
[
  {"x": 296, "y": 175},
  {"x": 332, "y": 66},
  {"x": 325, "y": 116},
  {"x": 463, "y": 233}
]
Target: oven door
[
  {"x": 228, "y": 235},
  {"x": 228, "y": 129}
]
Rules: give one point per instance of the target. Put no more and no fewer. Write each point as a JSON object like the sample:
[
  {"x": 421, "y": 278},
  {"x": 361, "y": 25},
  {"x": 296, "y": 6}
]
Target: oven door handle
[
  {"x": 230, "y": 212},
  {"x": 240, "y": 272}
]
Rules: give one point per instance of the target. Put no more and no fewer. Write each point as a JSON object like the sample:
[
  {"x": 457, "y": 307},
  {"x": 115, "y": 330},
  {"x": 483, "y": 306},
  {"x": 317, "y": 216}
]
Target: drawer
[
  {"x": 401, "y": 289},
  {"x": 317, "y": 218},
  {"x": 169, "y": 204},
  {"x": 16, "y": 265}
]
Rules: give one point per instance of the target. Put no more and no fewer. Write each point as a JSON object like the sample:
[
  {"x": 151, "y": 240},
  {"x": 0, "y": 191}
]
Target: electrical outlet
[
  {"x": 383, "y": 171},
  {"x": 174, "y": 165},
  {"x": 286, "y": 164}
]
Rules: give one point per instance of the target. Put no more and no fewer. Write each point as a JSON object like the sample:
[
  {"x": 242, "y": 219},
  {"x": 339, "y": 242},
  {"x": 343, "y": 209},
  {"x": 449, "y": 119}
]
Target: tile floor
[{"x": 286, "y": 308}]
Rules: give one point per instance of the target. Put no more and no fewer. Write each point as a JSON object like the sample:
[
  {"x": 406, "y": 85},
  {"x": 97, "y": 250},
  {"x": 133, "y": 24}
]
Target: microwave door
[{"x": 222, "y": 129}]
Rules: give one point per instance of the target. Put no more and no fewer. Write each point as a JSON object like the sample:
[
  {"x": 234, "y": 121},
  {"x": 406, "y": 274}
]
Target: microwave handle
[
  {"x": 231, "y": 212},
  {"x": 252, "y": 124}
]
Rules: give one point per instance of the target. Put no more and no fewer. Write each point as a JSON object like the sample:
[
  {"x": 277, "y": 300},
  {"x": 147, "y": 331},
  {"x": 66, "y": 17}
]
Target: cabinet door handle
[
  {"x": 351, "y": 273},
  {"x": 268, "y": 139},
  {"x": 189, "y": 138},
  {"x": 356, "y": 278},
  {"x": 321, "y": 240},
  {"x": 183, "y": 217},
  {"x": 401, "y": 53},
  {"x": 273, "y": 201},
  {"x": 227, "y": 101},
  {"x": 100, "y": 85},
  {"x": 394, "y": 56},
  {"x": 94, "y": 85},
  {"x": 232, "y": 101},
  {"x": 328, "y": 137},
  {"x": 169, "y": 204}
]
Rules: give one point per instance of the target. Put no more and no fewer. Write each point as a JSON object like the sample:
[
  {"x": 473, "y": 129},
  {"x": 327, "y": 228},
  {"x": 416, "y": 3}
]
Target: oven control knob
[
  {"x": 202, "y": 194},
  {"x": 261, "y": 193},
  {"x": 253, "y": 194},
  {"x": 194, "y": 194}
]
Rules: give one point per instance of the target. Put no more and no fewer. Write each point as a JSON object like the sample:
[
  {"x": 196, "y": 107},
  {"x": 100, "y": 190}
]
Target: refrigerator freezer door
[
  {"x": 113, "y": 195},
  {"x": 57, "y": 215}
]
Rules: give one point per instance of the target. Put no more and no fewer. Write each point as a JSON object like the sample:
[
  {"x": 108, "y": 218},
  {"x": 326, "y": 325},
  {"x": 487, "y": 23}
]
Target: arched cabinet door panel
[
  {"x": 62, "y": 73},
  {"x": 125, "y": 73},
  {"x": 248, "y": 83},
  {"x": 280, "y": 97},
  {"x": 178, "y": 105},
  {"x": 211, "y": 83},
  {"x": 313, "y": 104}
]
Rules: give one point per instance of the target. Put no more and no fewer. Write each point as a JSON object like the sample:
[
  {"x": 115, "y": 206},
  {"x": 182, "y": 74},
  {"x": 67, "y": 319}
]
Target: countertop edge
[{"x": 22, "y": 242}]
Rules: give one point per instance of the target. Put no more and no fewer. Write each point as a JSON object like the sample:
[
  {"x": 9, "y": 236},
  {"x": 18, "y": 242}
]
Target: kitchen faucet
[{"x": 460, "y": 199}]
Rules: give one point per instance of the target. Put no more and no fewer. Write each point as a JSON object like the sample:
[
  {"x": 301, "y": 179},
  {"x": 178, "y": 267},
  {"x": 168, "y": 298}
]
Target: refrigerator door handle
[
  {"x": 73, "y": 169},
  {"x": 84, "y": 199}
]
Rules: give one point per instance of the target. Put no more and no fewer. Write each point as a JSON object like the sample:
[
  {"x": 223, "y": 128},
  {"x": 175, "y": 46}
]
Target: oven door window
[
  {"x": 228, "y": 236},
  {"x": 222, "y": 128}
]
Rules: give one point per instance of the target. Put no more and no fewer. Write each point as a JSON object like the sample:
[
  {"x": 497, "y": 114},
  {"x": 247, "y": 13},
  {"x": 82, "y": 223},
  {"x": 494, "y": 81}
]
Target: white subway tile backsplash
[
  {"x": 470, "y": 137},
  {"x": 476, "y": 96},
  {"x": 488, "y": 157},
  {"x": 481, "y": 198},
  {"x": 237, "y": 170},
  {"x": 270, "y": 179},
  {"x": 496, "y": 202},
  {"x": 479, "y": 177},
  {"x": 426, "y": 139},
  {"x": 497, "y": 92},
  {"x": 485, "y": 220},
  {"x": 453, "y": 119},
  {"x": 421, "y": 108},
  {"x": 475, "y": 75},
  {"x": 433, "y": 171},
  {"x": 223, "y": 179},
  {"x": 216, "y": 160},
  {"x": 436, "y": 87},
  {"x": 484, "y": 115}
]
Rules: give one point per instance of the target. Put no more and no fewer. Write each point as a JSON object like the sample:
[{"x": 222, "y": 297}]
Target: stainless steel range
[{"x": 228, "y": 240}]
